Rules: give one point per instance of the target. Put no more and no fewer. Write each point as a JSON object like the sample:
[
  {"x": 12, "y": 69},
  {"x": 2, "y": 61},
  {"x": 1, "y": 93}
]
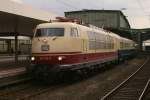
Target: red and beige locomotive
[{"x": 65, "y": 46}]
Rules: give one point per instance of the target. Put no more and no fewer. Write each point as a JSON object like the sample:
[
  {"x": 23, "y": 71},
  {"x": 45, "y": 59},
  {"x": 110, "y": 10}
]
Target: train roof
[
  {"x": 127, "y": 40},
  {"x": 68, "y": 24},
  {"x": 56, "y": 24},
  {"x": 115, "y": 35}
]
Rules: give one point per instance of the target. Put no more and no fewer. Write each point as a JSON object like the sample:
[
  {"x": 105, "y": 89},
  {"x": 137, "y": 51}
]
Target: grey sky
[{"x": 137, "y": 11}]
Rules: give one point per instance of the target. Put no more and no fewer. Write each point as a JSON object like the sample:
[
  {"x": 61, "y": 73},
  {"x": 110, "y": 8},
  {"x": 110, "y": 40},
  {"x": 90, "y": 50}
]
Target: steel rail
[
  {"x": 126, "y": 80},
  {"x": 145, "y": 90}
]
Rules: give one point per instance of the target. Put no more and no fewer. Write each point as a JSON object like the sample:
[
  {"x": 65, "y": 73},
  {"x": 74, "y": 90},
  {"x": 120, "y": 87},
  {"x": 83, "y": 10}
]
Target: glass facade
[{"x": 8, "y": 46}]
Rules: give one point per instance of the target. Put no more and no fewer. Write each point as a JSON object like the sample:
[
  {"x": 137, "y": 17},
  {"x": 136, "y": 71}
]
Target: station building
[{"x": 113, "y": 19}]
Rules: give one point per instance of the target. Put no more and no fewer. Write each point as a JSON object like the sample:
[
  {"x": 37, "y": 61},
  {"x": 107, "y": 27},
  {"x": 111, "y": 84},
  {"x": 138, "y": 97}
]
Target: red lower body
[{"x": 73, "y": 58}]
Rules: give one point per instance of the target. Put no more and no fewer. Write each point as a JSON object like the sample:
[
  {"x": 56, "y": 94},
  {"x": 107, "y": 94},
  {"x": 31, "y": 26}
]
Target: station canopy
[{"x": 20, "y": 18}]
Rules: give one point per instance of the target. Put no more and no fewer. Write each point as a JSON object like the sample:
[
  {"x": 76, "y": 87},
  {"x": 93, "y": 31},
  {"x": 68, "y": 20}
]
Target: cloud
[
  {"x": 17, "y": 1},
  {"x": 139, "y": 22},
  {"x": 138, "y": 11}
]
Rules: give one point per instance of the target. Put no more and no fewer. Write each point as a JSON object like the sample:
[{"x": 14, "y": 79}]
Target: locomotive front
[{"x": 53, "y": 49}]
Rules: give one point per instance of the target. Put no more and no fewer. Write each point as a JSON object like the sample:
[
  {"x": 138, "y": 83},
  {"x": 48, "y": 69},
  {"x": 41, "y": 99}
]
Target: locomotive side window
[
  {"x": 92, "y": 40},
  {"x": 49, "y": 32},
  {"x": 74, "y": 32},
  {"x": 121, "y": 45}
]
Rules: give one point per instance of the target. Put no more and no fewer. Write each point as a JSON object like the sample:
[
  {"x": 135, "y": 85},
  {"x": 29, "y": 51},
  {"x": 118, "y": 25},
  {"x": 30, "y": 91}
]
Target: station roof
[
  {"x": 20, "y": 18},
  {"x": 26, "y": 11},
  {"x": 101, "y": 11}
]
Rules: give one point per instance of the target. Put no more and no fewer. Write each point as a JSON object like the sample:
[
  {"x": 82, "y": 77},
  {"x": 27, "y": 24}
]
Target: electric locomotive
[{"x": 67, "y": 46}]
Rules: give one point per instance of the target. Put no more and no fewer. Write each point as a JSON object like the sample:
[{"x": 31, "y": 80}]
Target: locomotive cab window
[
  {"x": 74, "y": 32},
  {"x": 49, "y": 32}
]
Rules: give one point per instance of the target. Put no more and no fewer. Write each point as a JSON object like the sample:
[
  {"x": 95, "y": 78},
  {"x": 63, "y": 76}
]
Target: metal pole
[
  {"x": 16, "y": 37},
  {"x": 16, "y": 48},
  {"x": 139, "y": 42},
  {"x": 9, "y": 47}
]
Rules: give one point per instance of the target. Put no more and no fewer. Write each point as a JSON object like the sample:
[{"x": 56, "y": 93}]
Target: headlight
[
  {"x": 32, "y": 58},
  {"x": 60, "y": 58}
]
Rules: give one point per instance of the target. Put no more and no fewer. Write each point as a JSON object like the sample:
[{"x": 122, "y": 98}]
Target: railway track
[
  {"x": 26, "y": 92},
  {"x": 29, "y": 91},
  {"x": 10, "y": 81},
  {"x": 135, "y": 87}
]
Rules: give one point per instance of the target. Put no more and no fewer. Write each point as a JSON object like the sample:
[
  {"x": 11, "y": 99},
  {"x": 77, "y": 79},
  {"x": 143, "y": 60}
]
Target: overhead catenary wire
[
  {"x": 66, "y": 4},
  {"x": 69, "y": 4}
]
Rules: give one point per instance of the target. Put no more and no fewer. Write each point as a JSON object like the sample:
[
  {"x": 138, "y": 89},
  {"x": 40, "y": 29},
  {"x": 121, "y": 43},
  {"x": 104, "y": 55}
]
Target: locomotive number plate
[{"x": 44, "y": 47}]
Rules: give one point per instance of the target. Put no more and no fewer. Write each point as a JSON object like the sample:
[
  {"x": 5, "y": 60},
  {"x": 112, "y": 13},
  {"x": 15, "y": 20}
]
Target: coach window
[
  {"x": 74, "y": 32},
  {"x": 121, "y": 45}
]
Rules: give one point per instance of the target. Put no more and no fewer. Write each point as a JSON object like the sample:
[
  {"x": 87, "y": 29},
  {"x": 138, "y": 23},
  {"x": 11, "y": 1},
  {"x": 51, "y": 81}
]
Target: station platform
[
  {"x": 4, "y": 57},
  {"x": 13, "y": 75},
  {"x": 8, "y": 62},
  {"x": 10, "y": 72}
]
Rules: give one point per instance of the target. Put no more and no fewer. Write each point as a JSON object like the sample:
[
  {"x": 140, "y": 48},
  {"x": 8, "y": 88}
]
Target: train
[{"x": 67, "y": 46}]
